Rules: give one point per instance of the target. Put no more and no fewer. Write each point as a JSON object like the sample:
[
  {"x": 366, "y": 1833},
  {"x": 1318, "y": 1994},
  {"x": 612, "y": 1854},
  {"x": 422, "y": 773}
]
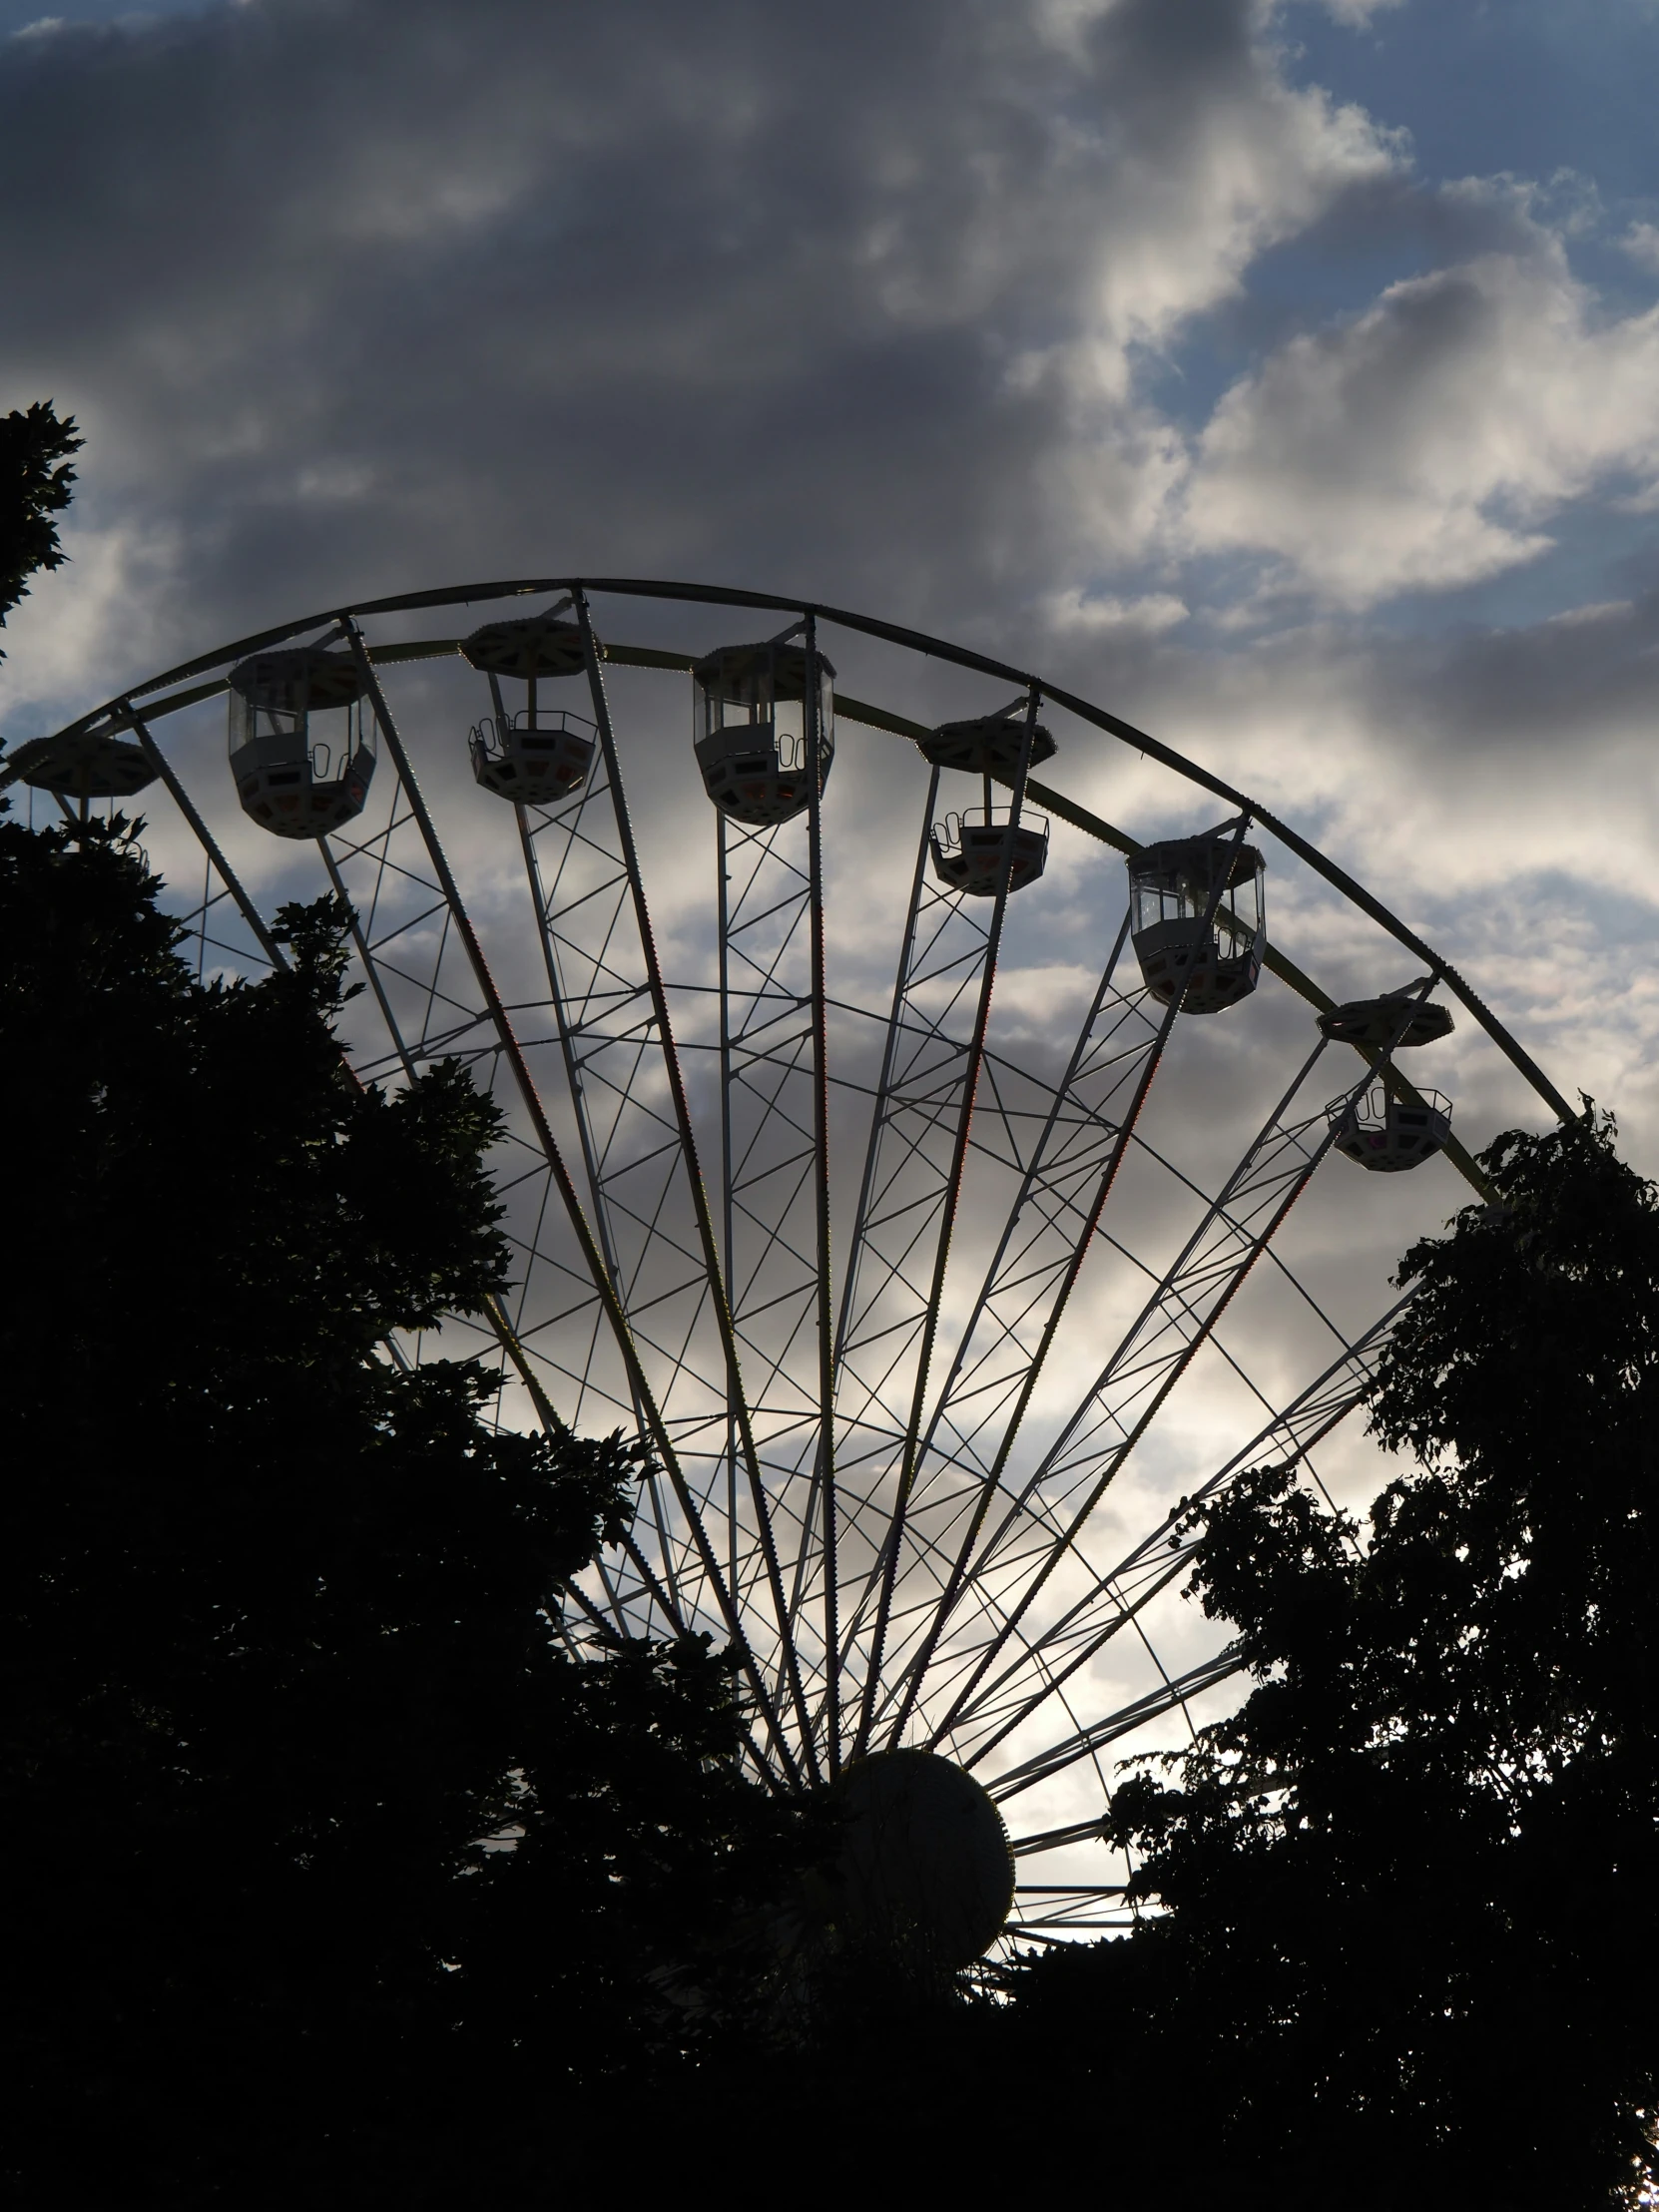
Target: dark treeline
[{"x": 336, "y": 1877}]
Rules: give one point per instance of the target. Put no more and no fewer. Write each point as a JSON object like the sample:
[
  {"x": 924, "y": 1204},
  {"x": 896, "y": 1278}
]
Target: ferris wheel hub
[{"x": 924, "y": 1865}]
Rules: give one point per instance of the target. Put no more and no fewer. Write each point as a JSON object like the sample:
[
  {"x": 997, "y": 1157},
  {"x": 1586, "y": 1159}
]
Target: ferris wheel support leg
[
  {"x": 204, "y": 837},
  {"x": 577, "y": 1090},
  {"x": 694, "y": 1179},
  {"x": 948, "y": 1222},
  {"x": 723, "y": 915},
  {"x": 514, "y": 1054},
  {"x": 828, "y": 1503}
]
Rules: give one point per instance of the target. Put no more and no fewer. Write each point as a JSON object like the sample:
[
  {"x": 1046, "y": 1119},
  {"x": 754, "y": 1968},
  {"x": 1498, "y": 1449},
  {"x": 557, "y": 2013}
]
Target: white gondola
[
  {"x": 290, "y": 780},
  {"x": 968, "y": 848},
  {"x": 1172, "y": 886},
  {"x": 750, "y": 730},
  {"x": 534, "y": 753},
  {"x": 1381, "y": 1131},
  {"x": 968, "y": 851},
  {"x": 1390, "y": 1134}
]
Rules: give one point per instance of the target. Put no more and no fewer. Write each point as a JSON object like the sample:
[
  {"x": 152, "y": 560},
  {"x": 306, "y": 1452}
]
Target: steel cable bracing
[
  {"x": 1158, "y": 1558},
  {"x": 880, "y": 1480},
  {"x": 1073, "y": 1529},
  {"x": 514, "y": 1056},
  {"x": 1138, "y": 1066},
  {"x": 1163, "y": 1340},
  {"x": 967, "y": 1087},
  {"x": 775, "y": 1239},
  {"x": 695, "y": 1184},
  {"x": 584, "y": 1018}
]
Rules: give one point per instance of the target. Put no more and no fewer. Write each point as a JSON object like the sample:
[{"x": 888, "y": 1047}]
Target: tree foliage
[
  {"x": 1408, "y": 1890},
  {"x": 35, "y": 485},
  {"x": 328, "y": 1857}
]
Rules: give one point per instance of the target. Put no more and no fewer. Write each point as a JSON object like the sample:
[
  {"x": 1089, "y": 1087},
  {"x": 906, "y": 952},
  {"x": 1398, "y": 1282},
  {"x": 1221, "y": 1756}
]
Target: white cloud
[
  {"x": 1087, "y": 610},
  {"x": 1641, "y": 243},
  {"x": 1426, "y": 443},
  {"x": 83, "y": 630},
  {"x": 1357, "y": 14}
]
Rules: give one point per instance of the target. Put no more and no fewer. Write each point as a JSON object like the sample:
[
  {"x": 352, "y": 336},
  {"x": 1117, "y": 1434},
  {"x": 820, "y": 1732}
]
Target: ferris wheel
[{"x": 910, "y": 1156}]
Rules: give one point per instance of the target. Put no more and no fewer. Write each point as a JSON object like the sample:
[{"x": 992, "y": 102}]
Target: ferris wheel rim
[
  {"x": 1087, "y": 1738},
  {"x": 907, "y": 637}
]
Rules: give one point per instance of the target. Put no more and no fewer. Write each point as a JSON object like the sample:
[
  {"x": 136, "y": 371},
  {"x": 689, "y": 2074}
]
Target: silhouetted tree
[
  {"x": 35, "y": 481},
  {"x": 1409, "y": 1888},
  {"x": 325, "y": 1859}
]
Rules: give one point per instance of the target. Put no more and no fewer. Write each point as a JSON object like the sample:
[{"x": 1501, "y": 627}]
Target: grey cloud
[
  {"x": 355, "y": 297},
  {"x": 351, "y": 294}
]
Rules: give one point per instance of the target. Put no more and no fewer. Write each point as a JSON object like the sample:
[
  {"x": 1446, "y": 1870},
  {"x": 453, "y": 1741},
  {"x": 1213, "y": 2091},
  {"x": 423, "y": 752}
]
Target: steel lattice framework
[{"x": 892, "y": 1295}]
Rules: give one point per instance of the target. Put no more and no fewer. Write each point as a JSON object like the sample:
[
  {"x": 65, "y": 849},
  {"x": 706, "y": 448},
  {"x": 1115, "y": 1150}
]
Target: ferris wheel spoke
[
  {"x": 917, "y": 1591},
  {"x": 1118, "y": 1597},
  {"x": 694, "y": 1189},
  {"x": 1056, "y": 1911},
  {"x": 1046, "y": 1234},
  {"x": 128, "y": 715},
  {"x": 1161, "y": 1343},
  {"x": 946, "y": 1201},
  {"x": 1083, "y": 1743},
  {"x": 932, "y": 1538},
  {"x": 774, "y": 1233},
  {"x": 552, "y": 1425},
  {"x": 824, "y": 1491},
  {"x": 595, "y": 1615},
  {"x": 1007, "y": 1291},
  {"x": 1030, "y": 1360},
  {"x": 1183, "y": 1312},
  {"x": 530, "y": 1099},
  {"x": 632, "y": 1153},
  {"x": 1056, "y": 1839}
]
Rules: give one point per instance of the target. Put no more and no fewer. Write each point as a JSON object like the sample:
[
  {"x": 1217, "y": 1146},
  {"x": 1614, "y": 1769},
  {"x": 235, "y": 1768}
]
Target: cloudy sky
[
  {"x": 1282, "y": 375},
  {"x": 1285, "y": 375}
]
